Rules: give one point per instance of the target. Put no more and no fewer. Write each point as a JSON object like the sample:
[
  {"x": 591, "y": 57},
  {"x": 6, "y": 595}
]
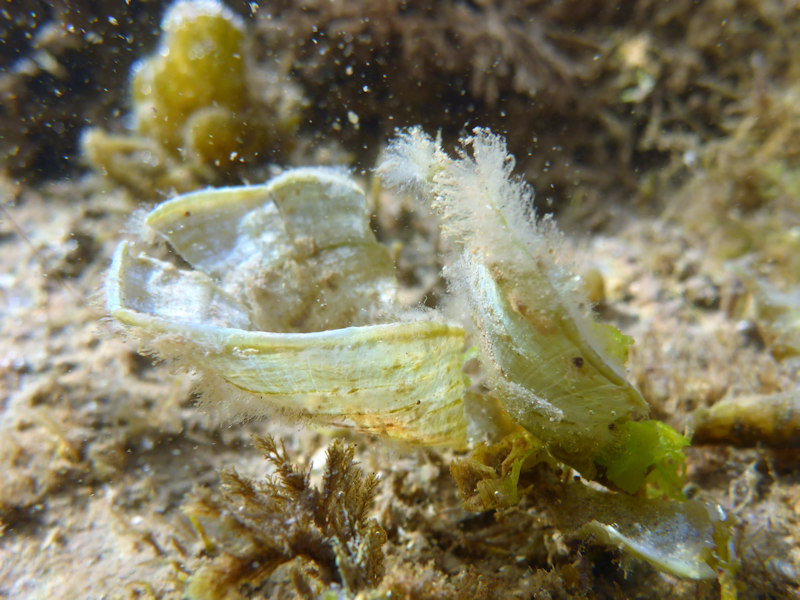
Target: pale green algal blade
[
  {"x": 298, "y": 249},
  {"x": 675, "y": 537},
  {"x": 690, "y": 539},
  {"x": 153, "y": 287},
  {"x": 285, "y": 307},
  {"x": 558, "y": 372},
  {"x": 216, "y": 230},
  {"x": 554, "y": 383},
  {"x": 402, "y": 380}
]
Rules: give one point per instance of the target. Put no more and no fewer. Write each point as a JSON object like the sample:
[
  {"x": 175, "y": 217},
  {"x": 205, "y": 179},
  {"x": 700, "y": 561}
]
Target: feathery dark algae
[{"x": 306, "y": 232}]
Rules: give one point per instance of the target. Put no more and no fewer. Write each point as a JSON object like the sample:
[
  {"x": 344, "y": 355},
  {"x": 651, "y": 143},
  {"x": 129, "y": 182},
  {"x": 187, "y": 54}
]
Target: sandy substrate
[{"x": 100, "y": 446}]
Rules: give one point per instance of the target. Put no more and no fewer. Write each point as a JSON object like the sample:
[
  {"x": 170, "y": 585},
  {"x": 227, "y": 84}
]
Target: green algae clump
[
  {"x": 201, "y": 107},
  {"x": 191, "y": 94}
]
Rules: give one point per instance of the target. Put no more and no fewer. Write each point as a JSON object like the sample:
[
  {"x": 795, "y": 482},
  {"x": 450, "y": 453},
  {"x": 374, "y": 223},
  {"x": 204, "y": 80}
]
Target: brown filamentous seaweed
[{"x": 258, "y": 526}]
